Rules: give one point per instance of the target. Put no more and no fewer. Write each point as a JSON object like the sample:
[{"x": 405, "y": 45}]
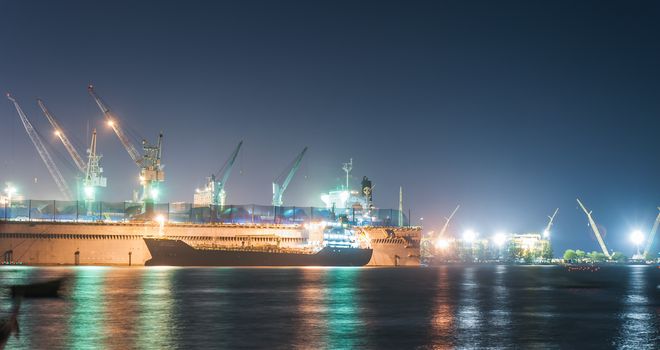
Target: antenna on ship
[{"x": 347, "y": 168}]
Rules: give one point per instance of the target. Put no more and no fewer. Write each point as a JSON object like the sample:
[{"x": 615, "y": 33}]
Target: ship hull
[{"x": 168, "y": 252}]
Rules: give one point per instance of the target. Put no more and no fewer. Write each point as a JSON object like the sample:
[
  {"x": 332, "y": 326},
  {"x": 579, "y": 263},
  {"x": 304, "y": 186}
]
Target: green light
[
  {"x": 89, "y": 192},
  {"x": 343, "y": 319},
  {"x": 89, "y": 299},
  {"x": 154, "y": 193}
]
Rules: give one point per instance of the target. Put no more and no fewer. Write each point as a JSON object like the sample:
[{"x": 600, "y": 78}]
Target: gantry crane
[
  {"x": 592, "y": 223},
  {"x": 551, "y": 219},
  {"x": 218, "y": 187},
  {"x": 151, "y": 171},
  {"x": 43, "y": 152},
  {"x": 649, "y": 240},
  {"x": 91, "y": 171},
  {"x": 280, "y": 186}
]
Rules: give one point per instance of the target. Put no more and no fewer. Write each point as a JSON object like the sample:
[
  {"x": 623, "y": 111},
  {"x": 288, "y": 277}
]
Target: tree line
[{"x": 582, "y": 256}]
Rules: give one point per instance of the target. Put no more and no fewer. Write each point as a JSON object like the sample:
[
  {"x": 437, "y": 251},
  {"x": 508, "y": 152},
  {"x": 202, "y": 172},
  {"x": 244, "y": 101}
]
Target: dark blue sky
[{"x": 510, "y": 108}]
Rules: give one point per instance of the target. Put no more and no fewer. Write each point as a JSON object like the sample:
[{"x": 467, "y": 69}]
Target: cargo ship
[{"x": 171, "y": 252}]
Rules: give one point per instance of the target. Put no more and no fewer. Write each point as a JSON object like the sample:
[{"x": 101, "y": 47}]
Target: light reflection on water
[
  {"x": 343, "y": 319},
  {"x": 87, "y": 320},
  {"x": 155, "y": 309},
  {"x": 339, "y": 308},
  {"x": 636, "y": 329}
]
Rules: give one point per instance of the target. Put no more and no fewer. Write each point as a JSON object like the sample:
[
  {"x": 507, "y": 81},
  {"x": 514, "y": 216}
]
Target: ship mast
[{"x": 347, "y": 168}]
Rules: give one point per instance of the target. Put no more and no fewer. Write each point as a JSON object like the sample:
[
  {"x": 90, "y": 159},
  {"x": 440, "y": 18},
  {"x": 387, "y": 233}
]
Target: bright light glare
[
  {"x": 160, "y": 218},
  {"x": 154, "y": 193},
  {"x": 637, "y": 237},
  {"x": 442, "y": 243},
  {"x": 469, "y": 235},
  {"x": 57, "y": 133},
  {"x": 9, "y": 190},
  {"x": 111, "y": 123},
  {"x": 89, "y": 191},
  {"x": 499, "y": 239},
  {"x": 546, "y": 233}
]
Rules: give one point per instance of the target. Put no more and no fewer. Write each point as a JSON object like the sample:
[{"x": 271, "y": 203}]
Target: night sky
[{"x": 508, "y": 108}]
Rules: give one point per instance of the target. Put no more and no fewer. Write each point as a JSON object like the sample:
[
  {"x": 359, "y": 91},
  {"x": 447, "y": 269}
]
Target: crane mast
[
  {"x": 649, "y": 240},
  {"x": 279, "y": 188},
  {"x": 43, "y": 152},
  {"x": 151, "y": 170},
  {"x": 93, "y": 171},
  {"x": 595, "y": 229},
  {"x": 59, "y": 132}
]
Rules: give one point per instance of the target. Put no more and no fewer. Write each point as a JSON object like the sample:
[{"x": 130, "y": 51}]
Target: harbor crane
[
  {"x": 546, "y": 232},
  {"x": 151, "y": 171},
  {"x": 649, "y": 240},
  {"x": 594, "y": 227},
  {"x": 91, "y": 171},
  {"x": 279, "y": 185},
  {"x": 43, "y": 152},
  {"x": 218, "y": 187}
]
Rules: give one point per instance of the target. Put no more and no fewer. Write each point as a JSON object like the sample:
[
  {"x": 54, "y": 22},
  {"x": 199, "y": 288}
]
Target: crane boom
[
  {"x": 226, "y": 170},
  {"x": 546, "y": 232},
  {"x": 447, "y": 220},
  {"x": 59, "y": 132},
  {"x": 595, "y": 229},
  {"x": 219, "y": 194},
  {"x": 649, "y": 240},
  {"x": 43, "y": 152},
  {"x": 278, "y": 189},
  {"x": 128, "y": 145}
]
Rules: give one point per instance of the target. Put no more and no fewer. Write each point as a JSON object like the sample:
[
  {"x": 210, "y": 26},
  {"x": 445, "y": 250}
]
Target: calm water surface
[{"x": 525, "y": 307}]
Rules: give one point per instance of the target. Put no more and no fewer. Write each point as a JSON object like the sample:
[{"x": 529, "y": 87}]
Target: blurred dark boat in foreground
[
  {"x": 46, "y": 289},
  {"x": 9, "y": 326}
]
